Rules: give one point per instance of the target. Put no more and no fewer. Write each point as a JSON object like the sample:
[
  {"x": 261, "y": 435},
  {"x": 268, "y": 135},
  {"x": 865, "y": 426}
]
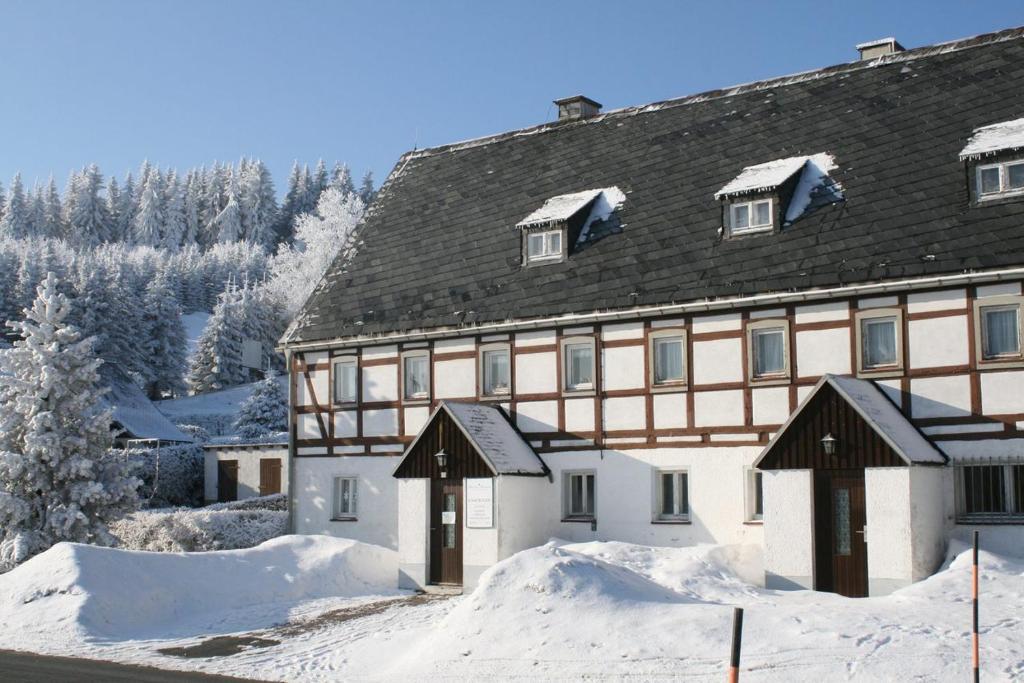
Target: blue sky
[{"x": 185, "y": 82}]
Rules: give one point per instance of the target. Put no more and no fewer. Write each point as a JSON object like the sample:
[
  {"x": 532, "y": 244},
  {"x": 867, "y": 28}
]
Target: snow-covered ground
[
  {"x": 194, "y": 324},
  {"x": 592, "y": 610}
]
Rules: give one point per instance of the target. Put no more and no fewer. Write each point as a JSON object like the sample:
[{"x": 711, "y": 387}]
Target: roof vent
[
  {"x": 577, "y": 107},
  {"x": 879, "y": 48}
]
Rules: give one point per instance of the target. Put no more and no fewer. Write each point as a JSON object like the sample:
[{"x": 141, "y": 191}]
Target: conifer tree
[
  {"x": 265, "y": 411},
  {"x": 88, "y": 222},
  {"x": 149, "y": 220},
  {"x": 15, "y": 222},
  {"x": 174, "y": 214},
  {"x": 114, "y": 207},
  {"x": 341, "y": 180},
  {"x": 366, "y": 191},
  {"x": 53, "y": 215},
  {"x": 59, "y": 480},
  {"x": 228, "y": 223},
  {"x": 126, "y": 213},
  {"x": 165, "y": 344}
]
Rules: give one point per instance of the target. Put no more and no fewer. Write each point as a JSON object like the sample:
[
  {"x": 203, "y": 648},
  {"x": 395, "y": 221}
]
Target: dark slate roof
[{"x": 440, "y": 247}]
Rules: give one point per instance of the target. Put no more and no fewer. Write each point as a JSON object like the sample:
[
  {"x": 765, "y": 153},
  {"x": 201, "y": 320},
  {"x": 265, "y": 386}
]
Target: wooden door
[
  {"x": 270, "y": 476},
  {"x": 446, "y": 531},
  {"x": 841, "y": 553},
  {"x": 227, "y": 481}
]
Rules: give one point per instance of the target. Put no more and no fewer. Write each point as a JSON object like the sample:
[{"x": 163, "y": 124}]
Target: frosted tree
[
  {"x": 165, "y": 344},
  {"x": 319, "y": 237},
  {"x": 227, "y": 226},
  {"x": 366, "y": 191},
  {"x": 114, "y": 207},
  {"x": 59, "y": 480},
  {"x": 341, "y": 180},
  {"x": 15, "y": 222},
  {"x": 126, "y": 213},
  {"x": 265, "y": 411},
  {"x": 53, "y": 218},
  {"x": 192, "y": 208},
  {"x": 149, "y": 220},
  {"x": 217, "y": 361},
  {"x": 174, "y": 214},
  {"x": 320, "y": 180},
  {"x": 88, "y": 222},
  {"x": 257, "y": 203}
]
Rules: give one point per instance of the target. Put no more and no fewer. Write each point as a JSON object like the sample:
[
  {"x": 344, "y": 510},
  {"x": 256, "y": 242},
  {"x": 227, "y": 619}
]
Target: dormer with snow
[
  {"x": 566, "y": 222},
  {"x": 770, "y": 196},
  {"x": 994, "y": 156}
]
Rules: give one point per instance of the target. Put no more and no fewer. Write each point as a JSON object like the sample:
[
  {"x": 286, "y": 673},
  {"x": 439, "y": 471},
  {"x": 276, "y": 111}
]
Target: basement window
[{"x": 990, "y": 493}]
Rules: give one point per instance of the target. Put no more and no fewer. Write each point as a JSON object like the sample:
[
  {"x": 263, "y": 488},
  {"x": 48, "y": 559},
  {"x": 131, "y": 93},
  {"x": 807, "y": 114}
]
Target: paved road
[{"x": 22, "y": 667}]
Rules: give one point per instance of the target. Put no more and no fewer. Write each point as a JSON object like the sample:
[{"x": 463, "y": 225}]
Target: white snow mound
[{"x": 110, "y": 594}]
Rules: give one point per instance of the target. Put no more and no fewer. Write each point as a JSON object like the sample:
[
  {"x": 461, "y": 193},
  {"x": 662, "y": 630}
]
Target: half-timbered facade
[{"x": 668, "y": 304}]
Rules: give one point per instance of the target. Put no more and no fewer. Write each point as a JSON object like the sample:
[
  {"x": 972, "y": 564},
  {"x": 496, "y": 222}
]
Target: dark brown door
[
  {"x": 270, "y": 476},
  {"x": 841, "y": 553},
  {"x": 446, "y": 531},
  {"x": 227, "y": 481}
]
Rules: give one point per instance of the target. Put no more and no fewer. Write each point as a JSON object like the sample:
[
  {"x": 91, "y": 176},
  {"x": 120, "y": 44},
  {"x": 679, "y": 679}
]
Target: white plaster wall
[
  {"x": 669, "y": 411},
  {"x": 1000, "y": 289},
  {"x": 768, "y": 313},
  {"x": 321, "y": 395},
  {"x": 828, "y": 310},
  {"x": 376, "y": 498},
  {"x": 930, "y": 515},
  {"x": 822, "y": 351},
  {"x": 770, "y": 405},
  {"x": 523, "y": 523},
  {"x": 942, "y": 300},
  {"x": 380, "y": 382},
  {"x": 248, "y": 469},
  {"x": 878, "y": 302},
  {"x": 626, "y": 412},
  {"x": 716, "y": 323},
  {"x": 1002, "y": 392},
  {"x": 718, "y": 408},
  {"x": 936, "y": 342},
  {"x": 940, "y": 396},
  {"x": 479, "y": 550},
  {"x": 345, "y": 424},
  {"x": 307, "y": 426},
  {"x": 383, "y": 422},
  {"x": 887, "y": 496},
  {"x": 535, "y": 338},
  {"x": 579, "y": 415},
  {"x": 624, "y": 367},
  {"x": 537, "y": 416},
  {"x": 536, "y": 373},
  {"x": 717, "y": 361},
  {"x": 788, "y": 529},
  {"x": 802, "y": 392},
  {"x": 413, "y": 499},
  {"x": 615, "y": 332},
  {"x": 455, "y": 378},
  {"x": 455, "y": 345},
  {"x": 415, "y": 418}
]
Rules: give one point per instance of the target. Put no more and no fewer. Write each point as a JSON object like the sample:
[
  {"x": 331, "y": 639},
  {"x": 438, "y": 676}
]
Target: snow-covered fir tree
[
  {"x": 15, "y": 222},
  {"x": 87, "y": 219},
  {"x": 217, "y": 361},
  {"x": 366, "y": 191},
  {"x": 149, "y": 218},
  {"x": 227, "y": 226},
  {"x": 173, "y": 232},
  {"x": 265, "y": 411},
  {"x": 165, "y": 343},
  {"x": 341, "y": 180},
  {"x": 59, "y": 480}
]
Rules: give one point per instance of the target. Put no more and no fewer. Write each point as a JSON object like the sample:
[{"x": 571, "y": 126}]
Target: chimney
[
  {"x": 879, "y": 48},
  {"x": 577, "y": 107}
]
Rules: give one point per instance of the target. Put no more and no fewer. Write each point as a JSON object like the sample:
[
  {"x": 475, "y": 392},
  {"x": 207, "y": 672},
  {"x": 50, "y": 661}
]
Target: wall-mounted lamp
[
  {"x": 828, "y": 442},
  {"x": 442, "y": 462}
]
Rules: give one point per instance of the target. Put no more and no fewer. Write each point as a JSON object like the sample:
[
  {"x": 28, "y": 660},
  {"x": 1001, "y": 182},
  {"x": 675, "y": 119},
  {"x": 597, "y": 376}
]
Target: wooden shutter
[{"x": 270, "y": 476}]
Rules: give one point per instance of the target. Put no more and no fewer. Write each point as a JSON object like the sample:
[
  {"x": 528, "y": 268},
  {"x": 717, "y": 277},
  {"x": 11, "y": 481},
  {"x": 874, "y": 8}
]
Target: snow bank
[{"x": 94, "y": 593}]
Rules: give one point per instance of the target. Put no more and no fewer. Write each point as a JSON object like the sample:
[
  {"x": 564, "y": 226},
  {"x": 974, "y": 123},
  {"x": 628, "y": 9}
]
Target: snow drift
[{"x": 96, "y": 593}]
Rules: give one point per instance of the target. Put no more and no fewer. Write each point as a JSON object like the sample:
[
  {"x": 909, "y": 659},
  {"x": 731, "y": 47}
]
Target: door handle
[{"x": 863, "y": 532}]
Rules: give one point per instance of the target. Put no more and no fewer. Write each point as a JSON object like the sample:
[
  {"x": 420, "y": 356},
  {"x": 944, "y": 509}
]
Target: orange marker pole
[
  {"x": 976, "y": 660},
  {"x": 737, "y": 637}
]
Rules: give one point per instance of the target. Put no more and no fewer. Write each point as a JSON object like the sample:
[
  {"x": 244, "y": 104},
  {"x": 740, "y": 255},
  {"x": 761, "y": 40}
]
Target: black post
[
  {"x": 737, "y": 638},
  {"x": 974, "y": 633}
]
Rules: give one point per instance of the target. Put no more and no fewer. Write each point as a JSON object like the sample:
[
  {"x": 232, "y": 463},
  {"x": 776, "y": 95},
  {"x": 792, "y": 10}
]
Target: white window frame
[
  {"x": 1006, "y": 516},
  {"x": 863, "y": 318},
  {"x": 582, "y": 388},
  {"x": 1004, "y": 180},
  {"x": 482, "y": 369},
  {"x": 568, "y": 514},
  {"x": 980, "y": 333},
  {"x": 546, "y": 254},
  {"x": 657, "y": 514},
  {"x": 751, "y": 227},
  {"x": 422, "y": 397},
  {"x": 653, "y": 338},
  {"x": 759, "y": 327},
  {"x": 335, "y": 363},
  {"x": 337, "y": 515},
  {"x": 750, "y": 485}
]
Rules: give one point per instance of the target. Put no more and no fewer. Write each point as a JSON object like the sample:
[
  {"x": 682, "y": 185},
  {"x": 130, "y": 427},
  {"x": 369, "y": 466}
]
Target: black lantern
[
  {"x": 442, "y": 462},
  {"x": 828, "y": 442}
]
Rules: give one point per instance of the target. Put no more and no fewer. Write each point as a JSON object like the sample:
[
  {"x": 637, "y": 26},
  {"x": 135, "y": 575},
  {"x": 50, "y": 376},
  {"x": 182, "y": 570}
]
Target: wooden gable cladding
[
  {"x": 442, "y": 432},
  {"x": 858, "y": 444}
]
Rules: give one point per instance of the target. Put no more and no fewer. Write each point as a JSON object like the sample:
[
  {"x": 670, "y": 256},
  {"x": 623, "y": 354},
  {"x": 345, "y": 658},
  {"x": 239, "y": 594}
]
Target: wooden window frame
[
  {"x": 427, "y": 396},
  {"x": 567, "y": 513},
  {"x": 336, "y": 515},
  {"x": 481, "y": 369},
  {"x": 565, "y": 343},
  {"x": 756, "y": 326},
  {"x": 652, "y": 338},
  {"x": 860, "y": 318},
  {"x": 547, "y": 258},
  {"x": 344, "y": 360},
  {"x": 657, "y": 516},
  {"x": 1004, "y": 191},
  {"x": 751, "y": 229},
  {"x": 750, "y": 495},
  {"x": 1001, "y": 301}
]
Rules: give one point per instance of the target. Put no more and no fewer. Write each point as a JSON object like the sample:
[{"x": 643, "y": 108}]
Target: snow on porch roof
[
  {"x": 880, "y": 413},
  {"x": 495, "y": 439},
  {"x": 771, "y": 174},
  {"x": 999, "y": 137}
]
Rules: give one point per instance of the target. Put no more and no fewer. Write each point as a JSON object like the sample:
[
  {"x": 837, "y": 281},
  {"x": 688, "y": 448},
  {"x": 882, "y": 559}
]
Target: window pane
[
  {"x": 590, "y": 494},
  {"x": 576, "y": 497},
  {"x": 554, "y": 243},
  {"x": 841, "y": 519},
  {"x": 769, "y": 352},
  {"x": 344, "y": 382},
  {"x": 668, "y": 494},
  {"x": 684, "y": 493},
  {"x": 578, "y": 365},
  {"x": 668, "y": 360},
  {"x": 535, "y": 244},
  {"x": 758, "y": 494},
  {"x": 496, "y": 372},
  {"x": 741, "y": 216},
  {"x": 762, "y": 213},
  {"x": 879, "y": 337},
  {"x": 1015, "y": 177},
  {"x": 989, "y": 180},
  {"x": 415, "y": 376},
  {"x": 1001, "y": 332},
  {"x": 983, "y": 489},
  {"x": 1017, "y": 472}
]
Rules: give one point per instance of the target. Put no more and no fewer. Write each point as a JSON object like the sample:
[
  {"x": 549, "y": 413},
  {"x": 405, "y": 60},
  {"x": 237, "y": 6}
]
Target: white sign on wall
[{"x": 480, "y": 503}]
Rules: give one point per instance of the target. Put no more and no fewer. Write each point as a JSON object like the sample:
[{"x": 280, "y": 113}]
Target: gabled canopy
[
  {"x": 999, "y": 137},
  {"x": 479, "y": 440},
  {"x": 869, "y": 428}
]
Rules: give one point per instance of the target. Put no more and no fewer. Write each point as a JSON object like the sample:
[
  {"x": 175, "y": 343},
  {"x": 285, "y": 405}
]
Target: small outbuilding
[
  {"x": 237, "y": 470},
  {"x": 468, "y": 496}
]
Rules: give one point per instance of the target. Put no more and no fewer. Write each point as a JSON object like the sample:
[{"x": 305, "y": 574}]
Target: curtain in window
[
  {"x": 590, "y": 494},
  {"x": 345, "y": 382},
  {"x": 576, "y": 486},
  {"x": 769, "y": 352},
  {"x": 496, "y": 372},
  {"x": 879, "y": 343},
  {"x": 1001, "y": 332},
  {"x": 579, "y": 365},
  {"x": 668, "y": 360},
  {"x": 415, "y": 376},
  {"x": 668, "y": 494}
]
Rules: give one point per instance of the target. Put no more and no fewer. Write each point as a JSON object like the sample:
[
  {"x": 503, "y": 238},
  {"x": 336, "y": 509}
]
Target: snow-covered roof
[
  {"x": 999, "y": 137},
  {"x": 880, "y": 413},
  {"x": 561, "y": 208},
  {"x": 771, "y": 174},
  {"x": 875, "y": 43},
  {"x": 495, "y": 439},
  {"x": 225, "y": 402},
  {"x": 133, "y": 411}
]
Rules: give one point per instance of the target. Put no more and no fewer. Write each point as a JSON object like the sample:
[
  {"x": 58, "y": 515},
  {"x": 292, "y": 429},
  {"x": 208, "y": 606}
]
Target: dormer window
[
  {"x": 751, "y": 216},
  {"x": 568, "y": 222},
  {"x": 543, "y": 245},
  {"x": 1000, "y": 180},
  {"x": 996, "y": 154}
]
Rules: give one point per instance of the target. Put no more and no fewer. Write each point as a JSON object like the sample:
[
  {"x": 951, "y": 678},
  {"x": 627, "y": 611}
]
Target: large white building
[{"x": 785, "y": 314}]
